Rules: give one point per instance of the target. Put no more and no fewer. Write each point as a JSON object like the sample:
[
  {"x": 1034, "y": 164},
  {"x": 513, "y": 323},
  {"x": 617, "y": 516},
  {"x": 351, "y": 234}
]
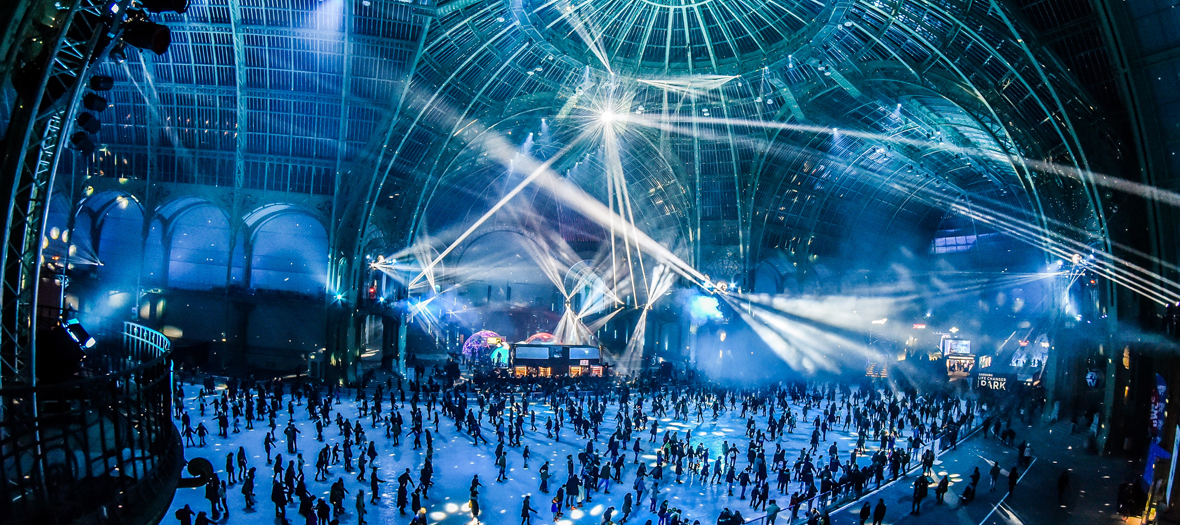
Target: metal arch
[
  {"x": 909, "y": 197},
  {"x": 954, "y": 21},
  {"x": 959, "y": 24},
  {"x": 491, "y": 228},
  {"x": 98, "y": 215},
  {"x": 781, "y": 182},
  {"x": 374, "y": 187},
  {"x": 252, "y": 230},
  {"x": 1091, "y": 189},
  {"x": 877, "y": 40},
  {"x": 169, "y": 226},
  {"x": 944, "y": 96},
  {"x": 423, "y": 198},
  {"x": 1001, "y": 143},
  {"x": 827, "y": 195},
  {"x": 1018, "y": 165}
]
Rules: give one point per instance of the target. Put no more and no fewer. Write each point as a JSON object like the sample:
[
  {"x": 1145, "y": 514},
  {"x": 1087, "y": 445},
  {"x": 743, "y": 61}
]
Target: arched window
[
  {"x": 199, "y": 248},
  {"x": 290, "y": 252}
]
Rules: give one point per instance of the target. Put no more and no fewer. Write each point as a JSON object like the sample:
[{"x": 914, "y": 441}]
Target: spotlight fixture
[
  {"x": 145, "y": 34},
  {"x": 88, "y": 122},
  {"x": 94, "y": 102},
  {"x": 162, "y": 6},
  {"x": 102, "y": 82},
  {"x": 79, "y": 334},
  {"x": 60, "y": 353},
  {"x": 82, "y": 142}
]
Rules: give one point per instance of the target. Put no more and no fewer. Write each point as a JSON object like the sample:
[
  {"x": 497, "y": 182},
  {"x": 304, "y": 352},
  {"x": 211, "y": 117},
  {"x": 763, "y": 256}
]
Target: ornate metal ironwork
[{"x": 96, "y": 446}]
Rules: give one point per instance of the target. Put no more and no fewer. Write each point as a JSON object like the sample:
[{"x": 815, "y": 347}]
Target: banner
[
  {"x": 1159, "y": 398},
  {"x": 993, "y": 381},
  {"x": 1155, "y": 453}
]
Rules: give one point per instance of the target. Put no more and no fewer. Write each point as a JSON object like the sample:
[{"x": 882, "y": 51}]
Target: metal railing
[{"x": 106, "y": 442}]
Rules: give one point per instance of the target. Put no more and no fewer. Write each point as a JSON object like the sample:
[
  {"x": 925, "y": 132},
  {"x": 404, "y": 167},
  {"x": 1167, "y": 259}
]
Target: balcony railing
[{"x": 97, "y": 449}]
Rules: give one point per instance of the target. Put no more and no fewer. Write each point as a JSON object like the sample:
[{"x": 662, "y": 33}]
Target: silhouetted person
[
  {"x": 879, "y": 512},
  {"x": 185, "y": 515}
]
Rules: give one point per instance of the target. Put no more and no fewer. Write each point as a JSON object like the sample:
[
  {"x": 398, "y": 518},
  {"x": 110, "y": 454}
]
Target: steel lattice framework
[
  {"x": 34, "y": 141},
  {"x": 380, "y": 117}
]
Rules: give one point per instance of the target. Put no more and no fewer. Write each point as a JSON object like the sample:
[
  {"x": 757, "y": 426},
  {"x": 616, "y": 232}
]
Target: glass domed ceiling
[{"x": 665, "y": 36}]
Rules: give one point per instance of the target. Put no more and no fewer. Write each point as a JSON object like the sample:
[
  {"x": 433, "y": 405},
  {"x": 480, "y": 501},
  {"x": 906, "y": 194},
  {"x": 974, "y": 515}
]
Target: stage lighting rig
[
  {"x": 88, "y": 122},
  {"x": 94, "y": 102},
  {"x": 141, "y": 32},
  {"x": 79, "y": 334},
  {"x": 102, "y": 82},
  {"x": 164, "y": 6},
  {"x": 82, "y": 142}
]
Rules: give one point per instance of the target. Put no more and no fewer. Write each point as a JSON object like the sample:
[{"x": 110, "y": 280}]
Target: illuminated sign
[
  {"x": 919, "y": 326},
  {"x": 956, "y": 346},
  {"x": 584, "y": 362},
  {"x": 993, "y": 381}
]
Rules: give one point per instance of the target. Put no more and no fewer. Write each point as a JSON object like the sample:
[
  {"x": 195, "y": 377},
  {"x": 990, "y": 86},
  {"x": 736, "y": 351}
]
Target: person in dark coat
[
  {"x": 474, "y": 510},
  {"x": 211, "y": 494},
  {"x": 920, "y": 487},
  {"x": 323, "y": 511},
  {"x": 278, "y": 495},
  {"x": 943, "y": 486},
  {"x": 526, "y": 511},
  {"x": 865, "y": 512},
  {"x": 879, "y": 512},
  {"x": 185, "y": 515}
]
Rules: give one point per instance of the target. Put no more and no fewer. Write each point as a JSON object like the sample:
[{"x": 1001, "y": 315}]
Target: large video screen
[
  {"x": 532, "y": 352},
  {"x": 583, "y": 352},
  {"x": 956, "y": 346}
]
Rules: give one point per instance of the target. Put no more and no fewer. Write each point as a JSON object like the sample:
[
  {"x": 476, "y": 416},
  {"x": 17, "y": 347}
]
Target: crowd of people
[{"x": 616, "y": 426}]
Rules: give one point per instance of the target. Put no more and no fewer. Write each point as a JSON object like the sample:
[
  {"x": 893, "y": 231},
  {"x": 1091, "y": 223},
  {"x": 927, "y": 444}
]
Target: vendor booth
[{"x": 549, "y": 360}]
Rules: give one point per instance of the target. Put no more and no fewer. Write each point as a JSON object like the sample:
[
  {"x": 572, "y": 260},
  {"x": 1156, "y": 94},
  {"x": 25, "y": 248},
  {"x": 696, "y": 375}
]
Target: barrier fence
[{"x": 95, "y": 445}]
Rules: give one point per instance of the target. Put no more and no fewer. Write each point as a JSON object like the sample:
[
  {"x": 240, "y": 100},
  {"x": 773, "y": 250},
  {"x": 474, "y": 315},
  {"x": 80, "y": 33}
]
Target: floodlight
[
  {"x": 79, "y": 334},
  {"x": 88, "y": 122},
  {"x": 94, "y": 102},
  {"x": 149, "y": 35},
  {"x": 161, "y": 6},
  {"x": 101, "y": 82},
  {"x": 82, "y": 142}
]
